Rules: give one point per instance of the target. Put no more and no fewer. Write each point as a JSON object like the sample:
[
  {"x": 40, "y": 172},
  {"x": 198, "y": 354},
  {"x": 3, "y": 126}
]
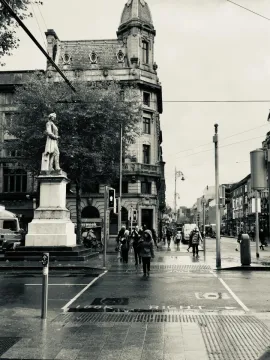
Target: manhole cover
[
  {"x": 110, "y": 301},
  {"x": 6, "y": 343}
]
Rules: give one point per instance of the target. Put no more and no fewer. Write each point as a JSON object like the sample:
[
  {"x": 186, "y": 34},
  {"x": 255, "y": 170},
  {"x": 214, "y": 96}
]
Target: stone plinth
[{"x": 51, "y": 225}]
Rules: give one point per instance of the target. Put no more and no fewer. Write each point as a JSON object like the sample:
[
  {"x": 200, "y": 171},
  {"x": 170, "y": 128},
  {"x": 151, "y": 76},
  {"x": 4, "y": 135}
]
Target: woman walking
[
  {"x": 135, "y": 236},
  {"x": 146, "y": 250}
]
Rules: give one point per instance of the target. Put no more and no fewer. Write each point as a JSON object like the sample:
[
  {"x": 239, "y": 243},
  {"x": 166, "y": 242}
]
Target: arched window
[{"x": 90, "y": 212}]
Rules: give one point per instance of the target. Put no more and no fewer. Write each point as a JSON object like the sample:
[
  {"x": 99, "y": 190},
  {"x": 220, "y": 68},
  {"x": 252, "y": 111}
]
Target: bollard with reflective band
[
  {"x": 245, "y": 250},
  {"x": 45, "y": 276}
]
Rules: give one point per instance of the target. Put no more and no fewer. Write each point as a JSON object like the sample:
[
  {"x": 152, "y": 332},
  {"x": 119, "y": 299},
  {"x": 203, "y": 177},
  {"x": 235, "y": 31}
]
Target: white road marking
[
  {"x": 57, "y": 284},
  {"x": 64, "y": 308},
  {"x": 236, "y": 298}
]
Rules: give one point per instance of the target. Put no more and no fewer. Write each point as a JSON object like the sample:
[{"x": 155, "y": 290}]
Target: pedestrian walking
[
  {"x": 190, "y": 240},
  {"x": 120, "y": 235},
  {"x": 125, "y": 246},
  {"x": 154, "y": 236},
  {"x": 262, "y": 239},
  {"x": 146, "y": 249},
  {"x": 178, "y": 239},
  {"x": 195, "y": 242},
  {"x": 135, "y": 237},
  {"x": 169, "y": 236},
  {"x": 239, "y": 238}
]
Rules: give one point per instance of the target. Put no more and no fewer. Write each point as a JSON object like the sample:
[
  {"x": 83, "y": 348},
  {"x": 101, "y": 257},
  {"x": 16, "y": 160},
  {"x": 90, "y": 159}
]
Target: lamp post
[
  {"x": 177, "y": 174},
  {"x": 215, "y": 140}
]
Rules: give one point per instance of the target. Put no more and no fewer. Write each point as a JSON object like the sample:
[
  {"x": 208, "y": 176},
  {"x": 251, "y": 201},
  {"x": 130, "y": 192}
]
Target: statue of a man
[{"x": 50, "y": 158}]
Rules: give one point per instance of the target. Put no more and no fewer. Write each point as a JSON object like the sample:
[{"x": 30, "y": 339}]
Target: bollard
[
  {"x": 45, "y": 276},
  {"x": 245, "y": 250}
]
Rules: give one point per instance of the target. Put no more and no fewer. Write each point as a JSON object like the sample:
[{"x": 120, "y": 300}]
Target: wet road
[
  {"x": 167, "y": 289},
  {"x": 177, "y": 282}
]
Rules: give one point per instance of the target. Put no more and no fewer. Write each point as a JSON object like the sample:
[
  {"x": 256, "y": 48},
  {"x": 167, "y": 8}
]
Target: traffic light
[
  {"x": 135, "y": 216},
  {"x": 111, "y": 203},
  {"x": 227, "y": 196}
]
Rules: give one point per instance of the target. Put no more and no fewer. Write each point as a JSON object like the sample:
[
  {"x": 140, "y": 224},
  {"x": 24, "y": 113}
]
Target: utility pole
[
  {"x": 204, "y": 237},
  {"x": 120, "y": 181},
  {"x": 257, "y": 223},
  {"x": 215, "y": 140}
]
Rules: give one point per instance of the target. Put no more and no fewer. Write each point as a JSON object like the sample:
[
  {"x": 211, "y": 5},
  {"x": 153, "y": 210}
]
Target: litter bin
[{"x": 245, "y": 250}]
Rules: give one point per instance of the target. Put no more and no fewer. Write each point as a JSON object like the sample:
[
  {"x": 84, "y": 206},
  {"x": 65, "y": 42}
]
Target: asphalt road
[{"x": 177, "y": 282}]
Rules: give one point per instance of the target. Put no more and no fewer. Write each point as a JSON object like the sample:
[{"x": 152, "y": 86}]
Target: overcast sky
[{"x": 205, "y": 50}]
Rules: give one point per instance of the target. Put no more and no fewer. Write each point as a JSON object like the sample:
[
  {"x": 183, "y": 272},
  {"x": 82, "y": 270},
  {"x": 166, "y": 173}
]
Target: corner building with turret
[{"x": 129, "y": 59}]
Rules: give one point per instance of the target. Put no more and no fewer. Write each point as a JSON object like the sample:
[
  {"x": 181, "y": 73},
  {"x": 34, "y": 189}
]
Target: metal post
[
  {"x": 105, "y": 225},
  {"x": 204, "y": 237},
  {"x": 257, "y": 223},
  {"x": 175, "y": 193},
  {"x": 215, "y": 140},
  {"x": 120, "y": 181},
  {"x": 131, "y": 219},
  {"x": 45, "y": 282}
]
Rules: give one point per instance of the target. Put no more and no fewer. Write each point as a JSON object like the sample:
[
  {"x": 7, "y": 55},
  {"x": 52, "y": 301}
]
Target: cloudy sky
[{"x": 206, "y": 50}]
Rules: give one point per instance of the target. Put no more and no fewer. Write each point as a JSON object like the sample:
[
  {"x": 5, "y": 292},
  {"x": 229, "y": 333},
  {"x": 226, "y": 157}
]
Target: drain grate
[{"x": 6, "y": 343}]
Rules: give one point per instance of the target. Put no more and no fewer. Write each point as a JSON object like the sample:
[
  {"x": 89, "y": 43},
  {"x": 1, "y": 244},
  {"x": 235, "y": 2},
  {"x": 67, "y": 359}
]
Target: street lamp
[{"x": 177, "y": 174}]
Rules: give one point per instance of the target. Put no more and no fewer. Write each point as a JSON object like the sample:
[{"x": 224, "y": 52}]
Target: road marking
[
  {"x": 212, "y": 296},
  {"x": 236, "y": 298},
  {"x": 64, "y": 308},
  {"x": 57, "y": 284}
]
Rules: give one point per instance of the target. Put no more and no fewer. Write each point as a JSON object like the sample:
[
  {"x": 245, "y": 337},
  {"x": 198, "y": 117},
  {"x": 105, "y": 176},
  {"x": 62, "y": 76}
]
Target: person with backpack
[
  {"x": 146, "y": 250},
  {"x": 135, "y": 236},
  {"x": 178, "y": 238},
  {"x": 195, "y": 242},
  {"x": 125, "y": 246},
  {"x": 168, "y": 236}
]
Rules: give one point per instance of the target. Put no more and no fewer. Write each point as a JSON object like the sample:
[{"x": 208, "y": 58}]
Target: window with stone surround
[
  {"x": 14, "y": 180},
  {"x": 145, "y": 52},
  {"x": 147, "y": 125},
  {"x": 146, "y": 187},
  {"x": 146, "y": 98},
  {"x": 146, "y": 154}
]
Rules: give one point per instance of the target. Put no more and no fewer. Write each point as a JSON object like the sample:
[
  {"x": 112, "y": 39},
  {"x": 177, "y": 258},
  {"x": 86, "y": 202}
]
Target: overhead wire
[
  {"x": 243, "y": 7},
  {"x": 44, "y": 22},
  {"x": 227, "y": 137},
  {"x": 222, "y": 146},
  {"x": 35, "y": 16}
]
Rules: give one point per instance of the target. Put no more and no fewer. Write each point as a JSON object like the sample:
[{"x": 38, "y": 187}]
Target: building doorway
[
  {"x": 147, "y": 218},
  {"x": 114, "y": 221}
]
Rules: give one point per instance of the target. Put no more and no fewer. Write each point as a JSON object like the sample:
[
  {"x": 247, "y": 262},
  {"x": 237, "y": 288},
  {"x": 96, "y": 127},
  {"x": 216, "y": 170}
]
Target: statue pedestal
[{"x": 51, "y": 225}]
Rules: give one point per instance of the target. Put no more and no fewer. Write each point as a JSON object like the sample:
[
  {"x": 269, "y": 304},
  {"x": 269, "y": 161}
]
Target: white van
[
  {"x": 186, "y": 230},
  {"x": 10, "y": 236}
]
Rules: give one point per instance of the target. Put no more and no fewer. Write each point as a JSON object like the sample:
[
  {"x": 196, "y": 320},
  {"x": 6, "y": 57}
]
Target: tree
[
  {"x": 8, "y": 25},
  {"x": 89, "y": 127}
]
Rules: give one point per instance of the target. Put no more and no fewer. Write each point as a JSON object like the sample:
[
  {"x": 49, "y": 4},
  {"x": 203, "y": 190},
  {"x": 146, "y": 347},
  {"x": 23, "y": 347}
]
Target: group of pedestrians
[{"x": 142, "y": 242}]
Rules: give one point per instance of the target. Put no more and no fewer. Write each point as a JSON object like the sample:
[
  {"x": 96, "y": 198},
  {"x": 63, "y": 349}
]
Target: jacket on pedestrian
[
  {"x": 125, "y": 241},
  {"x": 135, "y": 236},
  {"x": 196, "y": 238},
  {"x": 146, "y": 245}
]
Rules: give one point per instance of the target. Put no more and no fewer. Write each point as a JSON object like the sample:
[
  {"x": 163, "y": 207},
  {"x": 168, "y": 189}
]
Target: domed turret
[{"x": 136, "y": 11}]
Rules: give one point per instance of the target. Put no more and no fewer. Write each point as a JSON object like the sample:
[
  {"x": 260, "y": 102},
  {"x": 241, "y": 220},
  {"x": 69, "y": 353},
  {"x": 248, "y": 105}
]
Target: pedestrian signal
[
  {"x": 111, "y": 203},
  {"x": 135, "y": 216}
]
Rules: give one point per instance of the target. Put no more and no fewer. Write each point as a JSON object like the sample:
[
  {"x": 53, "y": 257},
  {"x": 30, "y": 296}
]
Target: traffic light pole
[
  {"x": 218, "y": 257},
  {"x": 105, "y": 225},
  {"x": 120, "y": 181}
]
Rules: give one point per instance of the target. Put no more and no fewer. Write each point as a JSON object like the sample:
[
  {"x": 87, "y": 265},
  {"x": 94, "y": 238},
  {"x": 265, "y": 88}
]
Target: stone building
[{"x": 129, "y": 59}]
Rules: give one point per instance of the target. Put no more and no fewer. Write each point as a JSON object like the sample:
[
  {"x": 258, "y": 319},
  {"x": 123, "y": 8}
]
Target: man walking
[
  {"x": 135, "y": 236},
  {"x": 195, "y": 242}
]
